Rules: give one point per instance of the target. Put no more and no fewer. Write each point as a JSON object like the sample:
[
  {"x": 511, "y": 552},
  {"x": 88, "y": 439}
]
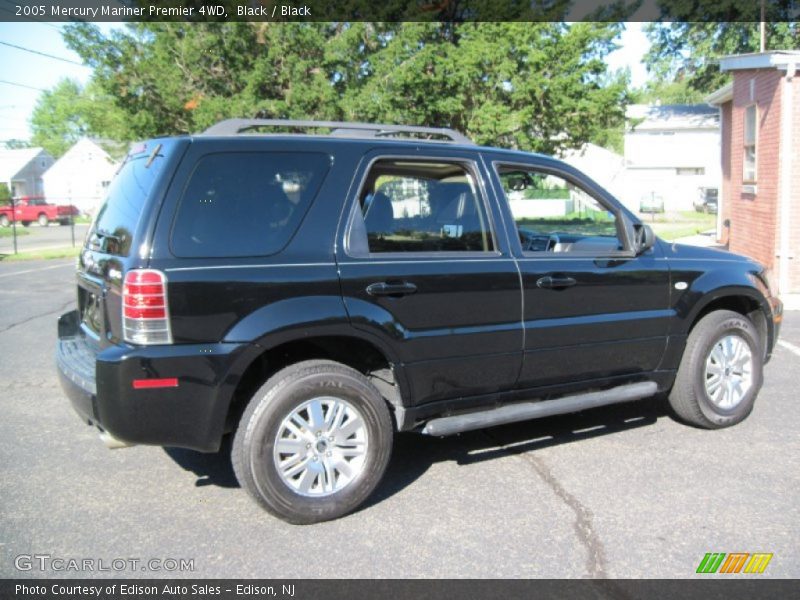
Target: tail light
[{"x": 145, "y": 311}]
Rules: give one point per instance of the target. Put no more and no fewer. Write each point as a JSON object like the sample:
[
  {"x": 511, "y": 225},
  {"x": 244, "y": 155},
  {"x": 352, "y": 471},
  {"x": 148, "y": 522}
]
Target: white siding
[
  {"x": 80, "y": 177},
  {"x": 673, "y": 164},
  {"x": 22, "y": 170}
]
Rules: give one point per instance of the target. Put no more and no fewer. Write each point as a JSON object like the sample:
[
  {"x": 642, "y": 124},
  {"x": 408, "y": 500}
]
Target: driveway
[{"x": 618, "y": 492}]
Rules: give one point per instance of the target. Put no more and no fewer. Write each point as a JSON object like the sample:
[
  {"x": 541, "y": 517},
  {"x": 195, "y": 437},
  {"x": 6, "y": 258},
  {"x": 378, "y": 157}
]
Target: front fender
[{"x": 733, "y": 281}]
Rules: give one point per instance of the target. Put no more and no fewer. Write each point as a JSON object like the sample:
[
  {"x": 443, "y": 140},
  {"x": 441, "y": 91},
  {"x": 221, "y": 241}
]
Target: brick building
[{"x": 759, "y": 213}]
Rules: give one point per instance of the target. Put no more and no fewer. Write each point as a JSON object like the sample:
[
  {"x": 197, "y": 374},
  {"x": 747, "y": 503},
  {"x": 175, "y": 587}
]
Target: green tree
[
  {"x": 537, "y": 86},
  {"x": 683, "y": 59},
  {"x": 540, "y": 86},
  {"x": 5, "y": 194},
  {"x": 68, "y": 112},
  {"x": 667, "y": 92}
]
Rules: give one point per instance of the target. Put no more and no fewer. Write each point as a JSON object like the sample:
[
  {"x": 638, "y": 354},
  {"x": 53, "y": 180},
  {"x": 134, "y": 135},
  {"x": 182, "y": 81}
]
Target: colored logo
[{"x": 736, "y": 562}]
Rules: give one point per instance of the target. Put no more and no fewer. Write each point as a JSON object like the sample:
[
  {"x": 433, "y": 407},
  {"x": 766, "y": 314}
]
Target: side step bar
[{"x": 534, "y": 410}]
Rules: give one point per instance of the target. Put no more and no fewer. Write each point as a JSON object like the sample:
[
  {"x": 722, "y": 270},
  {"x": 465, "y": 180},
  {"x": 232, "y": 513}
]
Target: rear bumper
[{"x": 99, "y": 384}]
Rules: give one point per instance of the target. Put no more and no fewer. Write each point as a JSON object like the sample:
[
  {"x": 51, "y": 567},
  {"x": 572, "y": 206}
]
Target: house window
[
  {"x": 750, "y": 128},
  {"x": 690, "y": 171}
]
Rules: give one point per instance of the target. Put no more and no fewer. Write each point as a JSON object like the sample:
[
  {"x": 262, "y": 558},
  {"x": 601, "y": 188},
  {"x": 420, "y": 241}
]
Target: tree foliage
[
  {"x": 68, "y": 112},
  {"x": 540, "y": 86},
  {"x": 687, "y": 53}
]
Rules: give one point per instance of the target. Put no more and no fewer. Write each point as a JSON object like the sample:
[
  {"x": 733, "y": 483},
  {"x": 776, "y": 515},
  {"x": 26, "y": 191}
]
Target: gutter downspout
[{"x": 786, "y": 181}]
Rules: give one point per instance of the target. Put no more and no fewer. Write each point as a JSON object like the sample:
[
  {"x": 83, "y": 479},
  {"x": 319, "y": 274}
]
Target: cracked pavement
[{"x": 615, "y": 492}]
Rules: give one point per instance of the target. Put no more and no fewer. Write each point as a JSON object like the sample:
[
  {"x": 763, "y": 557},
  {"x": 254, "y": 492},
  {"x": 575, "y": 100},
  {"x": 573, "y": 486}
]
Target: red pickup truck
[{"x": 28, "y": 209}]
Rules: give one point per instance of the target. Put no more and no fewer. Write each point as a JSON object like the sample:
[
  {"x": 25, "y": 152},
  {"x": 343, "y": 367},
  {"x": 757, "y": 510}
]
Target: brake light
[{"x": 145, "y": 311}]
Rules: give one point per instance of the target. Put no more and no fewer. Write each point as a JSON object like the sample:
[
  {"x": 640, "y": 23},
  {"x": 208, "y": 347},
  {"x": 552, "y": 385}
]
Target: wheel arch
[
  {"x": 347, "y": 346},
  {"x": 748, "y": 302}
]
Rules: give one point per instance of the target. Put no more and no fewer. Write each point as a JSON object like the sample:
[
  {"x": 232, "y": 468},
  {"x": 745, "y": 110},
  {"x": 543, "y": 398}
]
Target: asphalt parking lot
[{"x": 614, "y": 492}]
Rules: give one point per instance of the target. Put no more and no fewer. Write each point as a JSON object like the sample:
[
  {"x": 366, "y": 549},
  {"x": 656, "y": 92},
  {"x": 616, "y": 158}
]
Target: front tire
[
  {"x": 313, "y": 443},
  {"x": 4, "y": 221},
  {"x": 43, "y": 220},
  {"x": 721, "y": 372}
]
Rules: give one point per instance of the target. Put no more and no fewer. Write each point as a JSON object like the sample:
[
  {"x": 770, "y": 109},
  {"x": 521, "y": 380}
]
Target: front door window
[{"x": 552, "y": 214}]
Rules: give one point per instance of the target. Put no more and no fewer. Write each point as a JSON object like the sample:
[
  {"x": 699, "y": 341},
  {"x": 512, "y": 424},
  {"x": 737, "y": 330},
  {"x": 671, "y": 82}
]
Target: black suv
[{"x": 314, "y": 293}]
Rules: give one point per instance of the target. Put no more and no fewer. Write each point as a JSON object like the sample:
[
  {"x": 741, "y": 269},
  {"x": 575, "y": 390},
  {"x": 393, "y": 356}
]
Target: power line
[
  {"x": 22, "y": 85},
  {"x": 66, "y": 60}
]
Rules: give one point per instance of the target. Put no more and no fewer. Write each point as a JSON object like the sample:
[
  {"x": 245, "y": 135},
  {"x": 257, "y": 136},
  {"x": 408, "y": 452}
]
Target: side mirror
[{"x": 643, "y": 238}]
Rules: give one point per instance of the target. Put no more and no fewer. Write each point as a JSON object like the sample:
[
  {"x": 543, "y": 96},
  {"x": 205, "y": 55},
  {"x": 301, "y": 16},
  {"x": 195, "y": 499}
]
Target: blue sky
[{"x": 28, "y": 69}]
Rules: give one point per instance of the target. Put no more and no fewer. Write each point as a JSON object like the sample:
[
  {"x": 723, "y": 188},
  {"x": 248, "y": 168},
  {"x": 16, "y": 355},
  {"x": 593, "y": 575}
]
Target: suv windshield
[{"x": 116, "y": 221}]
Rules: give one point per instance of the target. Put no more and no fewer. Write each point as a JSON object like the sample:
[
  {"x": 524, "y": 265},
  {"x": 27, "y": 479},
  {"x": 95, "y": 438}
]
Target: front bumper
[
  {"x": 99, "y": 384},
  {"x": 776, "y": 318}
]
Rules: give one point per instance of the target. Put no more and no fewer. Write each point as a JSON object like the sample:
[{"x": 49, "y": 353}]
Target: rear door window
[
  {"x": 422, "y": 206},
  {"x": 239, "y": 204}
]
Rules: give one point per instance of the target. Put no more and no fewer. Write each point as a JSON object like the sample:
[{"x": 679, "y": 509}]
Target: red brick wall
[
  {"x": 754, "y": 217},
  {"x": 794, "y": 237}
]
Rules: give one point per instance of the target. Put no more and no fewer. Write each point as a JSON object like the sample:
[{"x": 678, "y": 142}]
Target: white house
[
  {"x": 671, "y": 155},
  {"x": 604, "y": 166},
  {"x": 21, "y": 170},
  {"x": 80, "y": 177}
]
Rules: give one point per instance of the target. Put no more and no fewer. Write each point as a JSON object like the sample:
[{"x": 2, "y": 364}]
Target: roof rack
[{"x": 338, "y": 128}]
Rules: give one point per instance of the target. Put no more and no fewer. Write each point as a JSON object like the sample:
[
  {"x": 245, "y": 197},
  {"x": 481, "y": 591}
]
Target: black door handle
[
  {"x": 397, "y": 289},
  {"x": 548, "y": 282}
]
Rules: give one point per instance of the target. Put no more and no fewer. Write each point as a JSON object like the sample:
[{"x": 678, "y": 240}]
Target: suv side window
[
  {"x": 239, "y": 204},
  {"x": 553, "y": 214},
  {"x": 422, "y": 206}
]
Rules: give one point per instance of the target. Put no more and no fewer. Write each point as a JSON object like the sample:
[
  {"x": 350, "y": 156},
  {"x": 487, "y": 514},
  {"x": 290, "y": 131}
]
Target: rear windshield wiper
[{"x": 107, "y": 234}]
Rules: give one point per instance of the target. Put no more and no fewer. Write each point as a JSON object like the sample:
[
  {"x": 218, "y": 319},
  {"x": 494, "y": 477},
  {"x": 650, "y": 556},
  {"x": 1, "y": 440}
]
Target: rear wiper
[{"x": 107, "y": 234}]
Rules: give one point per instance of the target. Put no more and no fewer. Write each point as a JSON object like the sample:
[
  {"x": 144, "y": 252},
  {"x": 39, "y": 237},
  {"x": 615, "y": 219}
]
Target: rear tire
[
  {"x": 313, "y": 443},
  {"x": 4, "y": 221},
  {"x": 43, "y": 220},
  {"x": 721, "y": 372}
]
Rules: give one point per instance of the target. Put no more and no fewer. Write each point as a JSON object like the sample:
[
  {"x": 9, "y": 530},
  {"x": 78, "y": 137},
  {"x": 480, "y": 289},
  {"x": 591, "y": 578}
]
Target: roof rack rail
[{"x": 338, "y": 128}]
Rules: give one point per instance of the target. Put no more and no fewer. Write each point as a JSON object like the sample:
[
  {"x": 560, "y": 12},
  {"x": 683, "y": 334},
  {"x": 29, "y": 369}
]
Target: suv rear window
[
  {"x": 116, "y": 221},
  {"x": 238, "y": 204}
]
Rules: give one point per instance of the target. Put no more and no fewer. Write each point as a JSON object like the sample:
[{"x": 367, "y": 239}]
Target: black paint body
[{"x": 477, "y": 332}]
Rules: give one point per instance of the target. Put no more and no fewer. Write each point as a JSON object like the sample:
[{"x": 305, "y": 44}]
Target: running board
[{"x": 534, "y": 410}]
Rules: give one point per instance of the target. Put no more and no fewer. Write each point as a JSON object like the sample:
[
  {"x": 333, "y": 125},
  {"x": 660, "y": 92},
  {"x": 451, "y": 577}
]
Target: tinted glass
[
  {"x": 117, "y": 219},
  {"x": 424, "y": 207},
  {"x": 245, "y": 203}
]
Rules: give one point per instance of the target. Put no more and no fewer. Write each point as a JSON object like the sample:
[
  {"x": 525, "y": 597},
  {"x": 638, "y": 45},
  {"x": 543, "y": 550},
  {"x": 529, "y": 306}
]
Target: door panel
[
  {"x": 592, "y": 308},
  {"x": 459, "y": 334},
  {"x": 613, "y": 321},
  {"x": 423, "y": 268}
]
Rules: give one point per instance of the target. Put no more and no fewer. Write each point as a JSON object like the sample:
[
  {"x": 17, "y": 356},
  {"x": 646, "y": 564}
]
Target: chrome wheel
[
  {"x": 321, "y": 446},
  {"x": 729, "y": 371}
]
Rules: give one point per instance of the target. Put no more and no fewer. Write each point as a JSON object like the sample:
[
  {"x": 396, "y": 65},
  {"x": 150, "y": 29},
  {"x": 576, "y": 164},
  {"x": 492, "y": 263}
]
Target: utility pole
[{"x": 14, "y": 221}]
